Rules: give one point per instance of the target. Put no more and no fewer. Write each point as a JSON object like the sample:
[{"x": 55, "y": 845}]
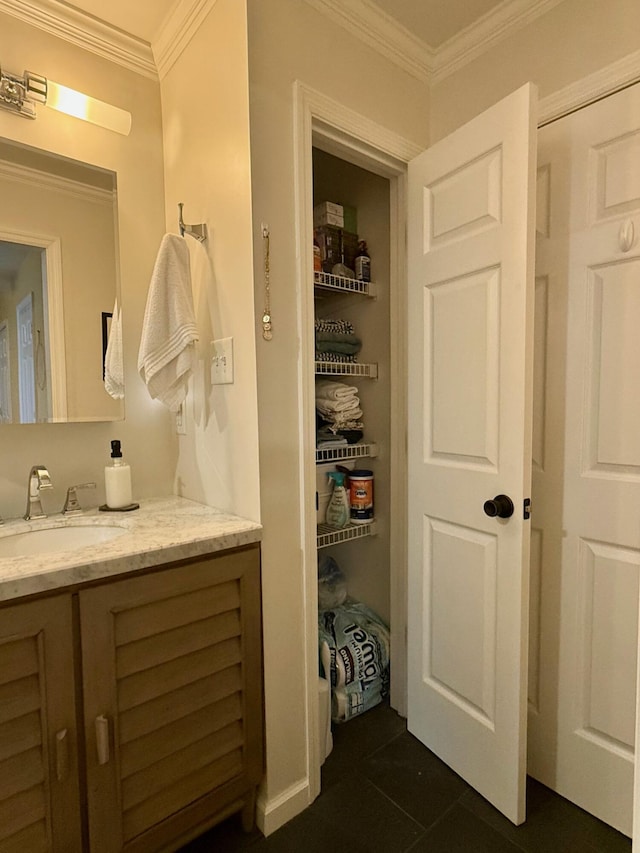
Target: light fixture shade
[
  {"x": 89, "y": 109},
  {"x": 21, "y": 94}
]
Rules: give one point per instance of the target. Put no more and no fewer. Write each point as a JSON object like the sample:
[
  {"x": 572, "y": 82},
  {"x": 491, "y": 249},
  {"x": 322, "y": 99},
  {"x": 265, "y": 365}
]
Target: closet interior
[{"x": 362, "y": 551}]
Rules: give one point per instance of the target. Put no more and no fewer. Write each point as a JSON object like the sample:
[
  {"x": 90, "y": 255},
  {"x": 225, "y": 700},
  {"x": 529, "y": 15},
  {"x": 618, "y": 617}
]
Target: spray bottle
[{"x": 338, "y": 509}]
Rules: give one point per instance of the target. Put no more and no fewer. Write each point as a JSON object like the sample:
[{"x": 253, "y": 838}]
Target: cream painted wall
[
  {"x": 290, "y": 41},
  {"x": 574, "y": 39},
  {"x": 205, "y": 104},
  {"x": 78, "y": 452}
]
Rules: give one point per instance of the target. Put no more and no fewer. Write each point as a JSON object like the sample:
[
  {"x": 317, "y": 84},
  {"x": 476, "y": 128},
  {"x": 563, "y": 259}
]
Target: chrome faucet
[
  {"x": 72, "y": 504},
  {"x": 38, "y": 479}
]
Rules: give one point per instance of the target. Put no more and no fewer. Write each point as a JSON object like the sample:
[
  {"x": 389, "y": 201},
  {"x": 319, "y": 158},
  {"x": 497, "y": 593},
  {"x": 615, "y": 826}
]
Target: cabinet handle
[
  {"x": 62, "y": 755},
  {"x": 102, "y": 739}
]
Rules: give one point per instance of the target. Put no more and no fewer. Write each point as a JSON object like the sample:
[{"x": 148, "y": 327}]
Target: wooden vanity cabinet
[
  {"x": 171, "y": 697},
  {"x": 39, "y": 780}
]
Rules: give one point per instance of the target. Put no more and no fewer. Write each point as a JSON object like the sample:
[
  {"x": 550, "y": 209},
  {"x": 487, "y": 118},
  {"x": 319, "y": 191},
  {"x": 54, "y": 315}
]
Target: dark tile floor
[{"x": 383, "y": 792}]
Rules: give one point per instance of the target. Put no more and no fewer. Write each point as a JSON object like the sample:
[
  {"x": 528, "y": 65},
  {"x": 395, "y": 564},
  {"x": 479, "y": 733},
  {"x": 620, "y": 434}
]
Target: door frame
[
  {"x": 351, "y": 136},
  {"x": 324, "y": 123},
  {"x": 53, "y": 306},
  {"x": 4, "y": 330}
]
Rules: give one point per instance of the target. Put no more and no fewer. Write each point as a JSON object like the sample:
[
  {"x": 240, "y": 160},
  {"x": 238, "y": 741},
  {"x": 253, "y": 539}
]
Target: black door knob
[{"x": 501, "y": 506}]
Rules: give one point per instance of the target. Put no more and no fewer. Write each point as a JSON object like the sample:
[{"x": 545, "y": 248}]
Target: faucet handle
[
  {"x": 72, "y": 504},
  {"x": 42, "y": 475}
]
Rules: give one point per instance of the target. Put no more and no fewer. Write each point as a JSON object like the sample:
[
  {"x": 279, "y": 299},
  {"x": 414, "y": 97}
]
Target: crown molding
[
  {"x": 486, "y": 32},
  {"x": 365, "y": 20},
  {"x": 64, "y": 186},
  {"x": 624, "y": 72},
  {"x": 177, "y": 30},
  {"x": 85, "y": 31}
]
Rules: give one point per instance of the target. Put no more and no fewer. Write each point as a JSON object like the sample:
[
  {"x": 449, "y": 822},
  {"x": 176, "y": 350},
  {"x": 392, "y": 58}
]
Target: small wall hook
[{"x": 198, "y": 232}]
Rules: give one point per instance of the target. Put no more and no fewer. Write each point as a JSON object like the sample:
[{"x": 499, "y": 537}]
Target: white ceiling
[
  {"x": 436, "y": 21},
  {"x": 431, "y": 21},
  {"x": 141, "y": 19}
]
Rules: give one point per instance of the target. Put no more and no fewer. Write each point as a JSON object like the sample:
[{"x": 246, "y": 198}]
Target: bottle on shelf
[
  {"x": 363, "y": 262},
  {"x": 337, "y": 515},
  {"x": 317, "y": 255},
  {"x": 361, "y": 495}
]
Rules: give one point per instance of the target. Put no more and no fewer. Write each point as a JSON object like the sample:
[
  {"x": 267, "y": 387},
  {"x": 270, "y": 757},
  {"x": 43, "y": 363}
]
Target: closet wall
[
  {"x": 366, "y": 562},
  {"x": 207, "y": 168},
  {"x": 292, "y": 42}
]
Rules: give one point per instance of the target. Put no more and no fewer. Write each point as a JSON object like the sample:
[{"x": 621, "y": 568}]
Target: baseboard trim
[{"x": 272, "y": 814}]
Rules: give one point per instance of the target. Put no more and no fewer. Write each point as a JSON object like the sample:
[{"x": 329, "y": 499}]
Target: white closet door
[
  {"x": 471, "y": 212},
  {"x": 587, "y": 476},
  {"x": 26, "y": 375}
]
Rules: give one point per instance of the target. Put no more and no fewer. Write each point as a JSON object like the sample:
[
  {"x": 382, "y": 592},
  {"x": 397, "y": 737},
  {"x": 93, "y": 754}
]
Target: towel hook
[{"x": 199, "y": 232}]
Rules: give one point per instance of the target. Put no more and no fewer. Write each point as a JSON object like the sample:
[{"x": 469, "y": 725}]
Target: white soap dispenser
[{"x": 117, "y": 480}]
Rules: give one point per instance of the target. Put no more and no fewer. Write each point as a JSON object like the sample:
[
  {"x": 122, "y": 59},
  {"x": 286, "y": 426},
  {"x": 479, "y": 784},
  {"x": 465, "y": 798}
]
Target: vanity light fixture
[{"x": 21, "y": 94}]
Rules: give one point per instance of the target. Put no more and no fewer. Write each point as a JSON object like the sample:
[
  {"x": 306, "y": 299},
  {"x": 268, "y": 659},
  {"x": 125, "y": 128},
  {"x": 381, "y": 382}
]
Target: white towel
[
  {"x": 326, "y": 389},
  {"x": 167, "y": 346},
  {"x": 336, "y": 406},
  {"x": 113, "y": 360}
]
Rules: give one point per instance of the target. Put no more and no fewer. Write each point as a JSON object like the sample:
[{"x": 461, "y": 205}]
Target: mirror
[{"x": 58, "y": 289}]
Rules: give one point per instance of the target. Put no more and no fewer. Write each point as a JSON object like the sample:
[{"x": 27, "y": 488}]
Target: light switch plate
[{"x": 222, "y": 361}]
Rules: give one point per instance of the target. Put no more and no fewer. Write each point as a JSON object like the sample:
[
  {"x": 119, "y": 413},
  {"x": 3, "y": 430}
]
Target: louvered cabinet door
[
  {"x": 39, "y": 788},
  {"x": 173, "y": 701}
]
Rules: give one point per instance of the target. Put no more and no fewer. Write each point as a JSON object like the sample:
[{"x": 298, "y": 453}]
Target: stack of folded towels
[
  {"x": 335, "y": 341},
  {"x": 338, "y": 407}
]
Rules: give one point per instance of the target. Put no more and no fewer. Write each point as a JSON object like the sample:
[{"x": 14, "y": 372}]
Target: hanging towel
[
  {"x": 113, "y": 360},
  {"x": 167, "y": 346}
]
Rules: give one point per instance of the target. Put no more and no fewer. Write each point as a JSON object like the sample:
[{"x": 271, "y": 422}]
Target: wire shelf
[
  {"x": 340, "y": 284},
  {"x": 347, "y": 451},
  {"x": 328, "y": 536},
  {"x": 346, "y": 368}
]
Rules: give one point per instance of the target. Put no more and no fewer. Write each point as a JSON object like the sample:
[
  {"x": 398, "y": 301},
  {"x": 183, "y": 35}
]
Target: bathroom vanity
[{"x": 131, "y": 682}]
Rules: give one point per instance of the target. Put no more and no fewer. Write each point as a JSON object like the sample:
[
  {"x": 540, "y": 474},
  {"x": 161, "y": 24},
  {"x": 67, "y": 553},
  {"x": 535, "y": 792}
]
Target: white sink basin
[{"x": 44, "y": 540}]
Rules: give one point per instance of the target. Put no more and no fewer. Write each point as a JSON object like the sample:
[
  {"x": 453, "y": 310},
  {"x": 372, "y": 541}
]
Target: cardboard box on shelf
[
  {"x": 329, "y": 239},
  {"x": 328, "y": 213},
  {"x": 334, "y": 242},
  {"x": 350, "y": 215}
]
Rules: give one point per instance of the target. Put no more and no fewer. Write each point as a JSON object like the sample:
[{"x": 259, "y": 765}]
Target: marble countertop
[{"x": 162, "y": 530}]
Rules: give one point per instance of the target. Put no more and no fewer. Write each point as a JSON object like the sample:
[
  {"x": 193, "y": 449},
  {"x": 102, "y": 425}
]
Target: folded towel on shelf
[
  {"x": 328, "y": 443},
  {"x": 338, "y": 338},
  {"x": 343, "y": 348},
  {"x": 332, "y": 414},
  {"x": 339, "y": 419},
  {"x": 328, "y": 390},
  {"x": 337, "y": 358},
  {"x": 167, "y": 346},
  {"x": 342, "y": 326},
  {"x": 113, "y": 360}
]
